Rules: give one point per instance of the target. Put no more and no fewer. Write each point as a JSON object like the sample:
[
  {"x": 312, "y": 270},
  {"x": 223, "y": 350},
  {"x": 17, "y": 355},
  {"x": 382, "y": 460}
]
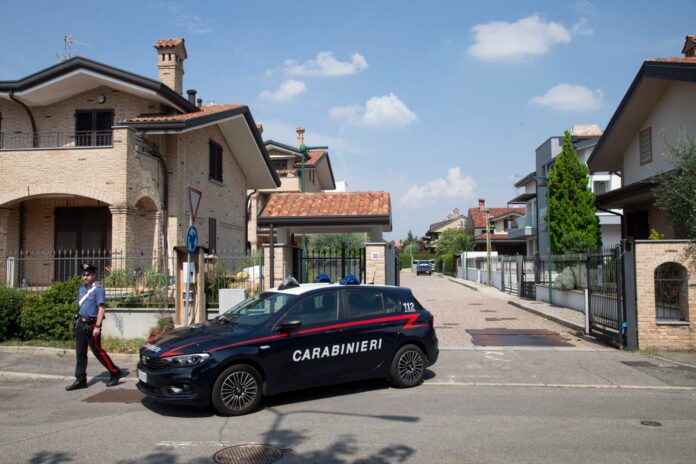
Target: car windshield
[{"x": 257, "y": 309}]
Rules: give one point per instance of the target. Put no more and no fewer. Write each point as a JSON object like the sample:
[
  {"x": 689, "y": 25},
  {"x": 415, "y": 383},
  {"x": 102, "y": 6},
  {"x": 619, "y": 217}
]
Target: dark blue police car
[{"x": 293, "y": 337}]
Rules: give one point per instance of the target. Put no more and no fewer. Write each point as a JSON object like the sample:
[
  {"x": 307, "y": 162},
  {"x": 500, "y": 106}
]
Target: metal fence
[
  {"x": 140, "y": 279},
  {"x": 605, "y": 287},
  {"x": 335, "y": 263},
  {"x": 23, "y": 140},
  {"x": 227, "y": 269}
]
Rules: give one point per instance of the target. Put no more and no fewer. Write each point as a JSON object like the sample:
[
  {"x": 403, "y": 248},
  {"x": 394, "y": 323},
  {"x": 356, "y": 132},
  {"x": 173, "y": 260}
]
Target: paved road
[
  {"x": 478, "y": 405},
  {"x": 458, "y": 308}
]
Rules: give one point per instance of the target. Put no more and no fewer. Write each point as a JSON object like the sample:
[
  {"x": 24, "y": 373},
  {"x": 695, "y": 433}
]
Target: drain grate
[
  {"x": 475, "y": 304},
  {"x": 249, "y": 454},
  {"x": 650, "y": 423},
  {"x": 516, "y": 337},
  {"x": 488, "y": 311},
  {"x": 508, "y": 318},
  {"x": 638, "y": 363},
  {"x": 440, "y": 327},
  {"x": 492, "y": 319},
  {"x": 450, "y": 323},
  {"x": 120, "y": 395}
]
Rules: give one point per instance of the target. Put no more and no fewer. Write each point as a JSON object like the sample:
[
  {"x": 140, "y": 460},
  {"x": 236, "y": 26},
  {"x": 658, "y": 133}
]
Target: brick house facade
[{"x": 94, "y": 157}]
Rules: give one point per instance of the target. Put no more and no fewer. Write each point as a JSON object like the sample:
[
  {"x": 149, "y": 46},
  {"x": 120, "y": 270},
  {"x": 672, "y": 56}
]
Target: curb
[
  {"x": 60, "y": 352},
  {"x": 680, "y": 363},
  {"x": 555, "y": 319},
  {"x": 465, "y": 285}
]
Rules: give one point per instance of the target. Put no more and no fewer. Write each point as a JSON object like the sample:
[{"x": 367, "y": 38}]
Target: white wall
[{"x": 672, "y": 115}]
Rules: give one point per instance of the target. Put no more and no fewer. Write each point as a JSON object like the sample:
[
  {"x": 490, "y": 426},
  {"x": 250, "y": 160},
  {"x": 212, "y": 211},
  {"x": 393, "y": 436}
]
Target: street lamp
[
  {"x": 548, "y": 228},
  {"x": 488, "y": 242},
  {"x": 303, "y": 154}
]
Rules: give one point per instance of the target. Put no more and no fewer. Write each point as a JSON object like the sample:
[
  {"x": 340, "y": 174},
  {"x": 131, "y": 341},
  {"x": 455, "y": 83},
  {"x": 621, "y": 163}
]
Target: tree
[
  {"x": 335, "y": 241},
  {"x": 574, "y": 226},
  {"x": 676, "y": 192},
  {"x": 453, "y": 241},
  {"x": 409, "y": 237}
]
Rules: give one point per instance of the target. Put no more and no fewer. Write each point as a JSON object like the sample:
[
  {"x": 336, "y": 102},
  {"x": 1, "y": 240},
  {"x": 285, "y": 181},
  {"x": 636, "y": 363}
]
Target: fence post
[
  {"x": 587, "y": 311},
  {"x": 343, "y": 260},
  {"x": 520, "y": 276},
  {"x": 629, "y": 294}
]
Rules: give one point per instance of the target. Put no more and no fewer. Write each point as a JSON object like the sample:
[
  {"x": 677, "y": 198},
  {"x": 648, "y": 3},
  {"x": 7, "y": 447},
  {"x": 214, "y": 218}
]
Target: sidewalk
[{"x": 565, "y": 316}]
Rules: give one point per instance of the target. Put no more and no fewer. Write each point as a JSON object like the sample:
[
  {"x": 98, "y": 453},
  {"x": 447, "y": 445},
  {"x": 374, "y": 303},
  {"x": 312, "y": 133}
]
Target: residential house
[
  {"x": 656, "y": 111},
  {"x": 288, "y": 165},
  {"x": 584, "y": 138},
  {"x": 454, "y": 220},
  {"x": 96, "y": 157},
  {"x": 493, "y": 225},
  {"x": 527, "y": 225}
]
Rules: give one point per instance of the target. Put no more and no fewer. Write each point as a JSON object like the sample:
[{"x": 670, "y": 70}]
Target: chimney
[
  {"x": 199, "y": 102},
  {"x": 482, "y": 203},
  {"x": 449, "y": 216},
  {"x": 171, "y": 54},
  {"x": 259, "y": 127},
  {"x": 300, "y": 136},
  {"x": 191, "y": 96},
  {"x": 689, "y": 49}
]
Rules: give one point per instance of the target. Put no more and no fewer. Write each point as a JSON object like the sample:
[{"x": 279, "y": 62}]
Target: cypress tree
[{"x": 574, "y": 225}]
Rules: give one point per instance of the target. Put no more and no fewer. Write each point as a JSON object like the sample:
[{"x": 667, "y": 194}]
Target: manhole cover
[
  {"x": 516, "y": 337},
  {"x": 120, "y": 395},
  {"x": 650, "y": 423},
  {"x": 638, "y": 363},
  {"x": 249, "y": 454}
]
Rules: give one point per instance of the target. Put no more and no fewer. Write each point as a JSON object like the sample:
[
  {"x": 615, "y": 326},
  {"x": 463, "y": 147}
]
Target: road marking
[
  {"x": 192, "y": 444},
  {"x": 559, "y": 385}
]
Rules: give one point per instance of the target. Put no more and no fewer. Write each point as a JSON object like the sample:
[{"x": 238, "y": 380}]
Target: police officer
[{"x": 90, "y": 298}]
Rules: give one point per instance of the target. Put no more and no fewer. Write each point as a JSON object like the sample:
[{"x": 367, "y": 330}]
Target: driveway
[{"x": 458, "y": 308}]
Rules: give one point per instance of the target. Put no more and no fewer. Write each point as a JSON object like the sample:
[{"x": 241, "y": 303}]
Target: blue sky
[{"x": 439, "y": 103}]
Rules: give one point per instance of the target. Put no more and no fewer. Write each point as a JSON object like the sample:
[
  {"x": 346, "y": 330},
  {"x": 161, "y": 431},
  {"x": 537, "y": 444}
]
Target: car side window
[
  {"x": 315, "y": 309},
  {"x": 390, "y": 304},
  {"x": 361, "y": 303}
]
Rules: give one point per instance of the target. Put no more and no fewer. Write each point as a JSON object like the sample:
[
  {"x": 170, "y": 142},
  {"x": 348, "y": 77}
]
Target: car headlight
[{"x": 186, "y": 360}]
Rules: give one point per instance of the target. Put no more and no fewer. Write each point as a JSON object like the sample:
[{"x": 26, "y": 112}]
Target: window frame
[
  {"x": 212, "y": 234},
  {"x": 94, "y": 137},
  {"x": 669, "y": 277},
  {"x": 346, "y": 305},
  {"x": 215, "y": 156},
  {"x": 647, "y": 132},
  {"x": 287, "y": 316}
]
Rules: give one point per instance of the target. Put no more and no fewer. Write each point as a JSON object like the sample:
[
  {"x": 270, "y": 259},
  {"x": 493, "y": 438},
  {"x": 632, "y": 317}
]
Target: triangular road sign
[{"x": 194, "y": 200}]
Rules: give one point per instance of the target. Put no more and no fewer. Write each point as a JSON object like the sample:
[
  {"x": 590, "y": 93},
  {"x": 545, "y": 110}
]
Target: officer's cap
[{"x": 87, "y": 269}]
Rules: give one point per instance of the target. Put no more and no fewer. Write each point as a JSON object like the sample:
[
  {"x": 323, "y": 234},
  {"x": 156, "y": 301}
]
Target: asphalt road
[{"x": 478, "y": 405}]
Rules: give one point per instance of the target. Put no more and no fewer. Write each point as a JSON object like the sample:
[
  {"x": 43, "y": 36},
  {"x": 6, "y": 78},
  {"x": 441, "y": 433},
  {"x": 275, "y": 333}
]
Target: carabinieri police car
[{"x": 292, "y": 337}]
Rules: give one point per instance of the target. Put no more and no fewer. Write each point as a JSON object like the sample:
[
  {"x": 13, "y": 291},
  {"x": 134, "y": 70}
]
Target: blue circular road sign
[{"x": 192, "y": 239}]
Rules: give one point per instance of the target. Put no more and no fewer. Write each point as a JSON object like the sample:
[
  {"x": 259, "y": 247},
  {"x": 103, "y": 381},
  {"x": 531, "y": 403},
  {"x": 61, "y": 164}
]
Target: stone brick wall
[
  {"x": 651, "y": 333},
  {"x": 375, "y": 270}
]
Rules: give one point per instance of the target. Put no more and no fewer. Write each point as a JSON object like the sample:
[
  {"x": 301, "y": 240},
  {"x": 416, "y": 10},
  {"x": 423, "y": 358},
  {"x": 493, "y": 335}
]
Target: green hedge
[
  {"x": 449, "y": 261},
  {"x": 11, "y": 301},
  {"x": 49, "y": 315}
]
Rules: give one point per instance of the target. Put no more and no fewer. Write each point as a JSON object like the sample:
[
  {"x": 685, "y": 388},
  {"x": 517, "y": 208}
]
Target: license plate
[{"x": 142, "y": 376}]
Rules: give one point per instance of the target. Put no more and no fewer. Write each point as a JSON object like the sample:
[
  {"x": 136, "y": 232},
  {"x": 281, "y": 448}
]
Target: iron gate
[
  {"x": 509, "y": 276},
  {"x": 529, "y": 277},
  {"x": 334, "y": 263},
  {"x": 605, "y": 280}
]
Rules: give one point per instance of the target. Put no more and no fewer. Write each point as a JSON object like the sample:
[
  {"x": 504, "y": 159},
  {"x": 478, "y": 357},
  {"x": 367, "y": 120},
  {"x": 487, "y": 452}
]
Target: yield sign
[{"x": 194, "y": 200}]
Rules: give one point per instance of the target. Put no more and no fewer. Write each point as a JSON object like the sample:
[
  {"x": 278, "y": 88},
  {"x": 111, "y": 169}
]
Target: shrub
[
  {"x": 49, "y": 315},
  {"x": 11, "y": 301},
  {"x": 118, "y": 278},
  {"x": 164, "y": 324}
]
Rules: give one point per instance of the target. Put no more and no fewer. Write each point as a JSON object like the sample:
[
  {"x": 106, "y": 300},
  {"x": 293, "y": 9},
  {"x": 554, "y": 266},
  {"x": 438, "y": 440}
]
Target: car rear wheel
[
  {"x": 237, "y": 390},
  {"x": 408, "y": 367}
]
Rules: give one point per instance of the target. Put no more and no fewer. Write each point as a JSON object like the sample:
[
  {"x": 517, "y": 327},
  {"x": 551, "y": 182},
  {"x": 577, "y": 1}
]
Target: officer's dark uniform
[{"x": 84, "y": 336}]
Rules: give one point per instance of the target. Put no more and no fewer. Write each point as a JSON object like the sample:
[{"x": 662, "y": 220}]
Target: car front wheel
[
  {"x": 408, "y": 367},
  {"x": 237, "y": 390}
]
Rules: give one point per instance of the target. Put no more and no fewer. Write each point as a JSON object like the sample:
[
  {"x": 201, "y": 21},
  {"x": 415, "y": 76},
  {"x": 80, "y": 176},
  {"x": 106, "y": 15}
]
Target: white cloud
[
  {"x": 452, "y": 186},
  {"x": 326, "y": 65},
  {"x": 385, "y": 112},
  {"x": 514, "y": 42},
  {"x": 191, "y": 22},
  {"x": 570, "y": 97},
  {"x": 581, "y": 28},
  {"x": 286, "y": 92}
]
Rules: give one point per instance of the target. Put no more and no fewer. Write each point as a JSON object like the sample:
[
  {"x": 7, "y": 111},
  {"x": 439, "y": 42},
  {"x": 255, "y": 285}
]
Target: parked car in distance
[
  {"x": 288, "y": 338},
  {"x": 423, "y": 267}
]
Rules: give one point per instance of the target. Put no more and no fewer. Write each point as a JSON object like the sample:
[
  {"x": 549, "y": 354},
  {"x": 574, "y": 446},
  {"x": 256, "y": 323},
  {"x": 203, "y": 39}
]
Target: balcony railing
[{"x": 24, "y": 140}]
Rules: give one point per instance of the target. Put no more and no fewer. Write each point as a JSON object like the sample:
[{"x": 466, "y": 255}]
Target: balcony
[
  {"x": 44, "y": 140},
  {"x": 526, "y": 227}
]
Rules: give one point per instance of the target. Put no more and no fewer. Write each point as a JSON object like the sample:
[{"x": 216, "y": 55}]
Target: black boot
[
  {"x": 77, "y": 384},
  {"x": 113, "y": 381}
]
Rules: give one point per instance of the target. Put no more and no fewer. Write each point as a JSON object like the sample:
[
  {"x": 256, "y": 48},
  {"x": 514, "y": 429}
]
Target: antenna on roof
[{"x": 67, "y": 45}]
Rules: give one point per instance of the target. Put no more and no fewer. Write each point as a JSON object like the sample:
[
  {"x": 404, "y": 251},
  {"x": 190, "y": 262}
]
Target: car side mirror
[{"x": 289, "y": 326}]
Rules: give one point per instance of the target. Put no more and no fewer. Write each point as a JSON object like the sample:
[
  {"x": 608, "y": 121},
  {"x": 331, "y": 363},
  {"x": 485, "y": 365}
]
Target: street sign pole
[{"x": 195, "y": 196}]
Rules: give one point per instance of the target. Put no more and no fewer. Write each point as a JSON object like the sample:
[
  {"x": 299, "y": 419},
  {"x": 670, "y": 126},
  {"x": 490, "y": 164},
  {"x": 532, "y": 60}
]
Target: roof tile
[
  {"x": 479, "y": 217},
  {"x": 204, "y": 111},
  {"x": 341, "y": 204}
]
